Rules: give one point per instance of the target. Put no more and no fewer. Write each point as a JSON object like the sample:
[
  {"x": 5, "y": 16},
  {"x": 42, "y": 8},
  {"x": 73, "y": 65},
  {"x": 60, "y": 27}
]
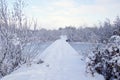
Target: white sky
[{"x": 52, "y": 14}]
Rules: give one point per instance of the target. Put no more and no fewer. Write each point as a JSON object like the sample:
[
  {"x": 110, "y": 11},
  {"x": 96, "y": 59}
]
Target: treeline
[{"x": 99, "y": 33}]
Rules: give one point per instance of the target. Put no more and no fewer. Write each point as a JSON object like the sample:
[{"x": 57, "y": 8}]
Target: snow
[
  {"x": 61, "y": 62},
  {"x": 59, "y": 49},
  {"x": 115, "y": 39},
  {"x": 63, "y": 37},
  {"x": 34, "y": 48}
]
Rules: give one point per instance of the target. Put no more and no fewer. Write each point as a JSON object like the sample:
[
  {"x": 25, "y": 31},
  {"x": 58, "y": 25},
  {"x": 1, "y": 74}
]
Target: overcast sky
[{"x": 60, "y": 13}]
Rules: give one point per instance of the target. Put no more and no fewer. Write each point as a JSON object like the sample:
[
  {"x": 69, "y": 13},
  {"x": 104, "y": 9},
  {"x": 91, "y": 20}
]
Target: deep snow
[{"x": 61, "y": 62}]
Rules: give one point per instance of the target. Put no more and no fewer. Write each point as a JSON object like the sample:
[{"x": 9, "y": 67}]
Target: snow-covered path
[{"x": 61, "y": 62}]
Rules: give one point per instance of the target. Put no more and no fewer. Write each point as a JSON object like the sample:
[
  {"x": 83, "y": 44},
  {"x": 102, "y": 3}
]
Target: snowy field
[
  {"x": 81, "y": 47},
  {"x": 67, "y": 64}
]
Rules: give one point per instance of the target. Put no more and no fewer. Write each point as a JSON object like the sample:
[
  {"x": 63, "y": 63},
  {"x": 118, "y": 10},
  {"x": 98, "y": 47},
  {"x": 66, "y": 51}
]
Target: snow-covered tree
[
  {"x": 106, "y": 61},
  {"x": 10, "y": 44},
  {"x": 117, "y": 23},
  {"x": 10, "y": 53}
]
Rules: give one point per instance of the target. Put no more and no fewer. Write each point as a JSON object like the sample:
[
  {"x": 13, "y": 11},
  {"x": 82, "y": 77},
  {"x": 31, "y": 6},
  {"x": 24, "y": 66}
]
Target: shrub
[{"x": 106, "y": 61}]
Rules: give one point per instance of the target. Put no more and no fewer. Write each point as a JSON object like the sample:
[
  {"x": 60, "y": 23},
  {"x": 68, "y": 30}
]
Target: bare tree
[
  {"x": 3, "y": 12},
  {"x": 10, "y": 51},
  {"x": 18, "y": 12}
]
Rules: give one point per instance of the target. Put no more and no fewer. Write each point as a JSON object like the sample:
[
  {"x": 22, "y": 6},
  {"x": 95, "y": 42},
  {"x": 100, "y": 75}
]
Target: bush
[
  {"x": 10, "y": 54},
  {"x": 107, "y": 60}
]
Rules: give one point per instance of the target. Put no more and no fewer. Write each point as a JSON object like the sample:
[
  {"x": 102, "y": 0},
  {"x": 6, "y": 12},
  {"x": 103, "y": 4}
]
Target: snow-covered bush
[
  {"x": 106, "y": 61},
  {"x": 10, "y": 53}
]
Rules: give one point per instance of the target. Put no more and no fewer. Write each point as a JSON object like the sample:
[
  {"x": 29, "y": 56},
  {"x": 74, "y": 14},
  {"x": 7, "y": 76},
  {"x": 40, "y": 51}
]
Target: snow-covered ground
[
  {"x": 35, "y": 48},
  {"x": 61, "y": 62}
]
